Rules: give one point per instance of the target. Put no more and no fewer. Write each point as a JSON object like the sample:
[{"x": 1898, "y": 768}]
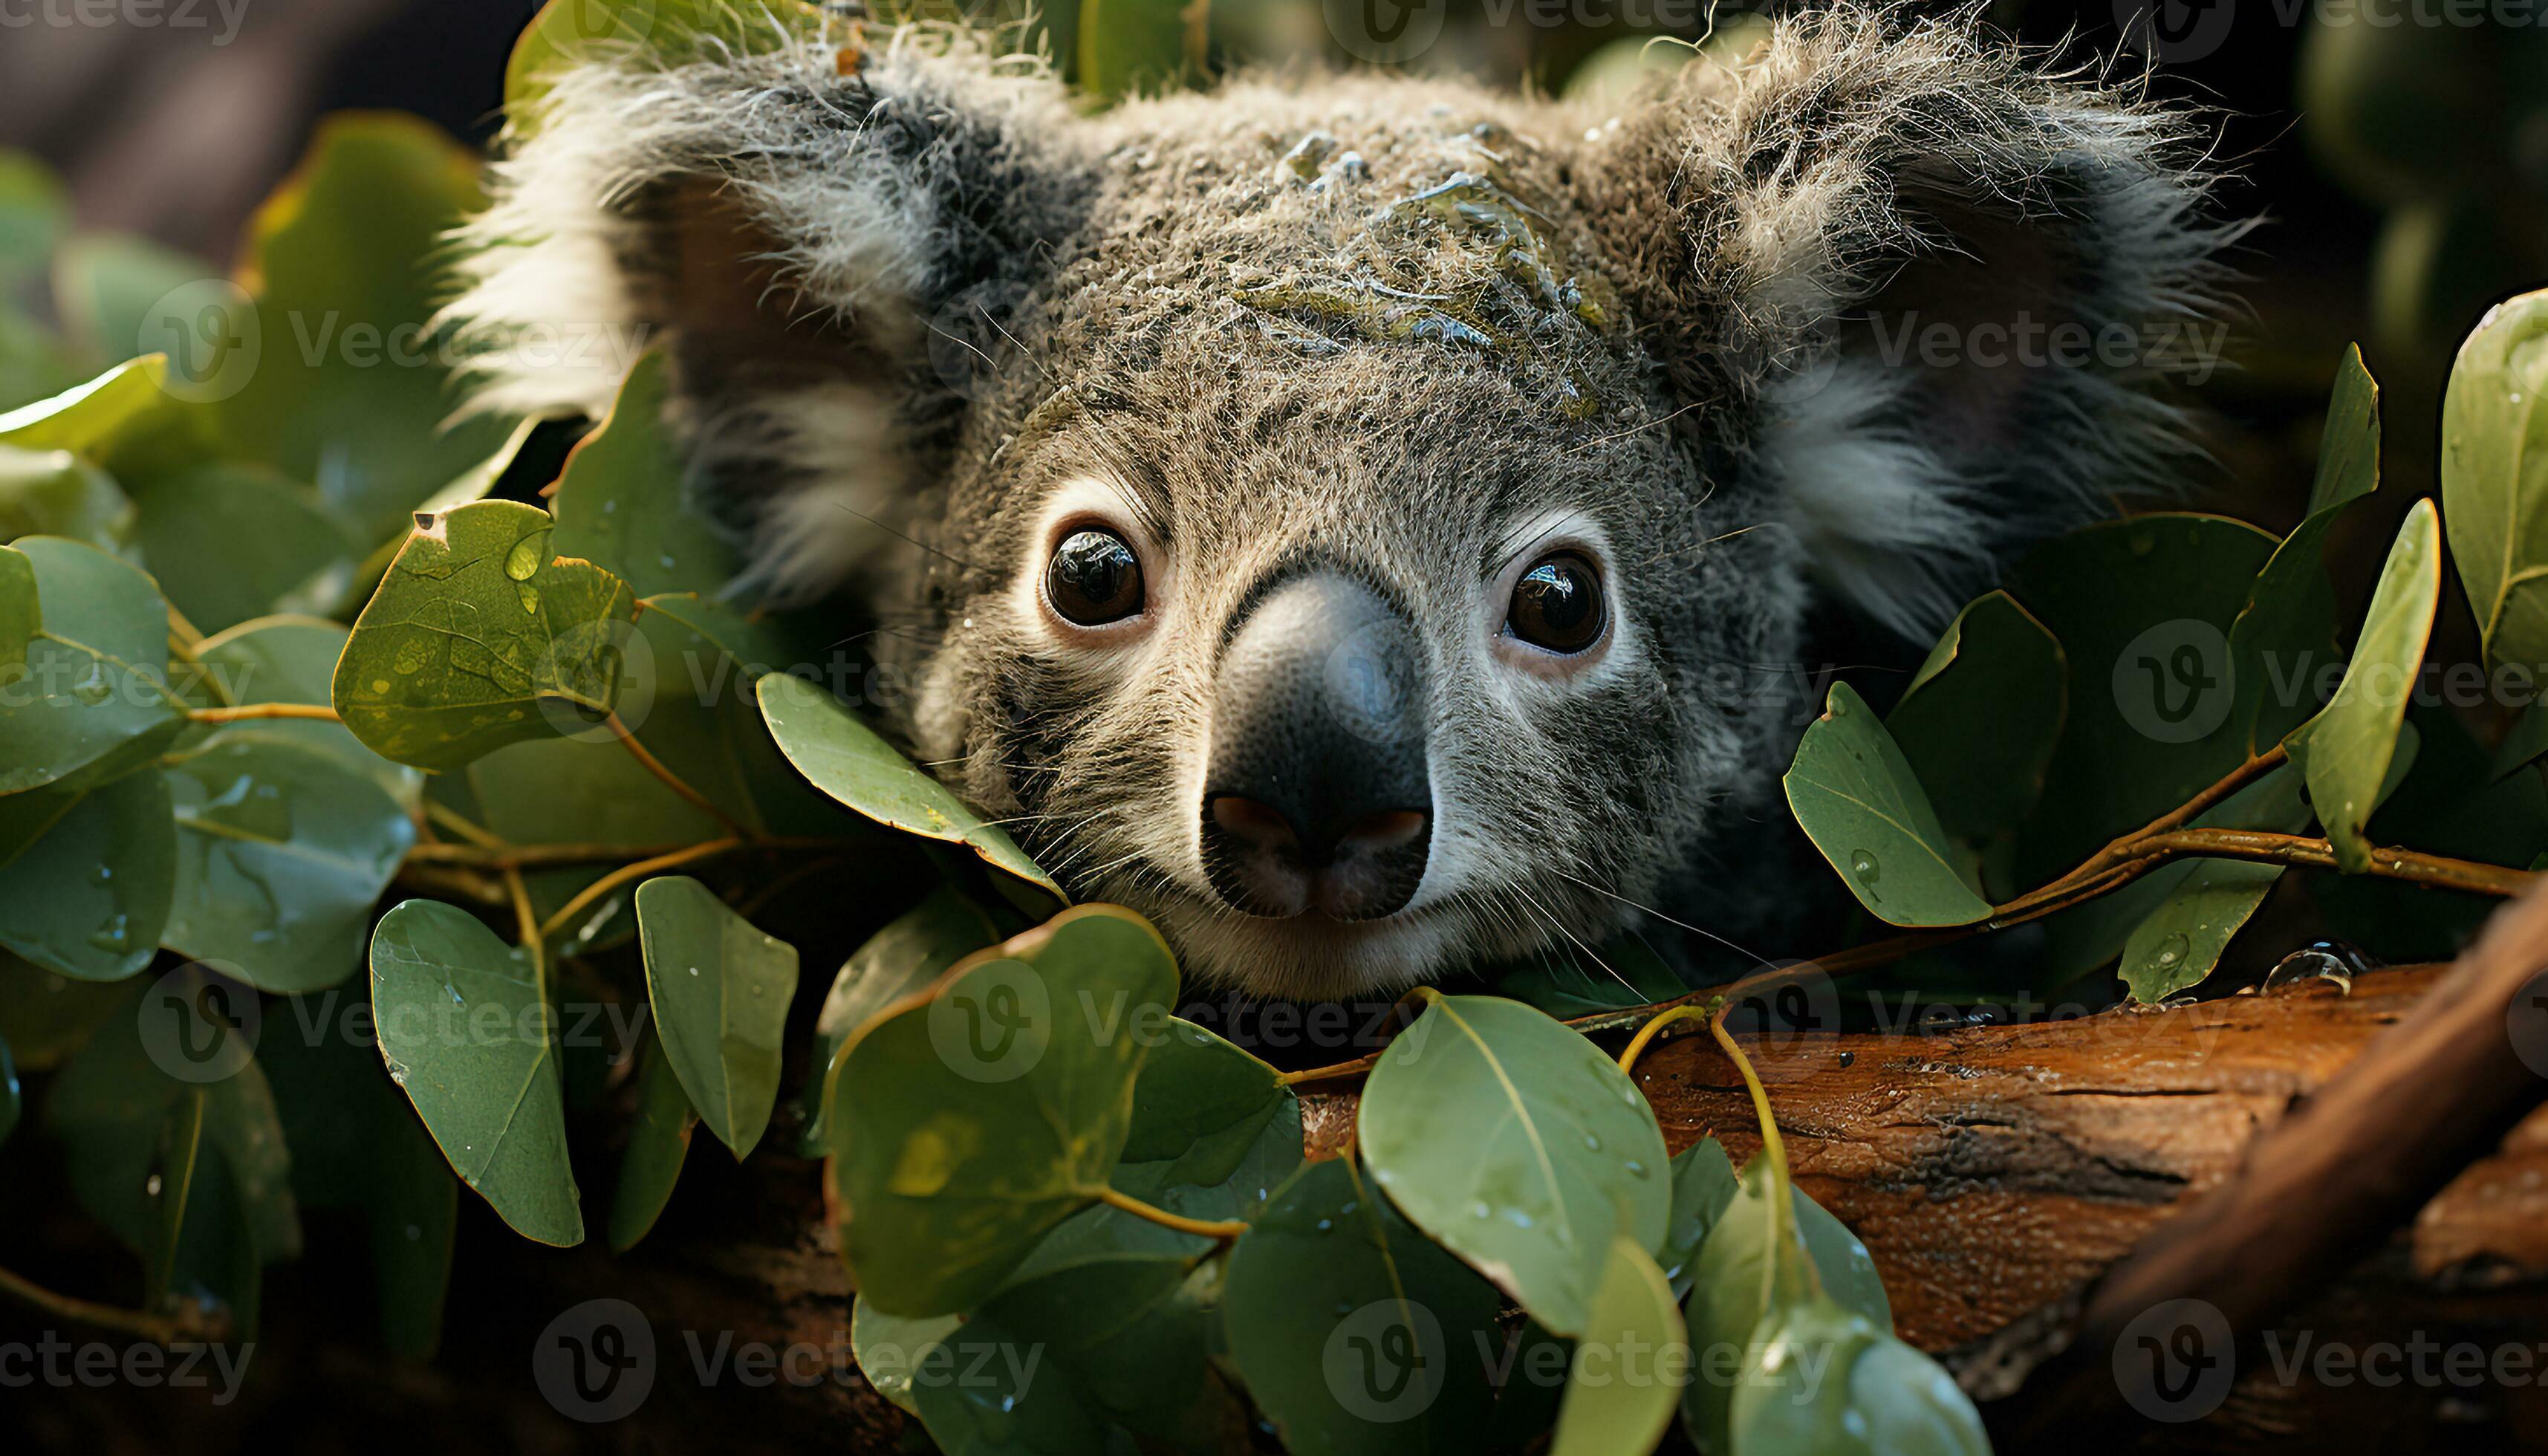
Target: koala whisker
[
  {"x": 1559, "y": 926},
  {"x": 1754, "y": 955},
  {"x": 846, "y": 508}
]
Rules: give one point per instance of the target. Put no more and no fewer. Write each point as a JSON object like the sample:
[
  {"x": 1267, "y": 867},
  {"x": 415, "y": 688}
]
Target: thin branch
[
  {"x": 159, "y": 1328},
  {"x": 248, "y": 711},
  {"x": 443, "y": 816},
  {"x": 566, "y": 912},
  {"x": 671, "y": 780},
  {"x": 1206, "y": 1228},
  {"x": 534, "y": 944}
]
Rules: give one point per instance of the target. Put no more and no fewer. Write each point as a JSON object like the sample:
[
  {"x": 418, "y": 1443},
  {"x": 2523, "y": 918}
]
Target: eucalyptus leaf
[
  {"x": 720, "y": 990},
  {"x": 466, "y": 1030},
  {"x": 105, "y": 285},
  {"x": 1859, "y": 801},
  {"x": 974, "y": 1122},
  {"x": 854, "y": 763},
  {"x": 1982, "y": 717},
  {"x": 588, "y": 791},
  {"x": 481, "y": 636},
  {"x": 55, "y": 493},
  {"x": 622, "y": 503},
  {"x": 1354, "y": 1334},
  {"x": 35, "y": 212},
  {"x": 1827, "y": 1379},
  {"x": 658, "y": 1139},
  {"x": 1623, "y": 1386},
  {"x": 1703, "y": 1186},
  {"x": 126, "y": 421},
  {"x": 44, "y": 1017},
  {"x": 2345, "y": 751},
  {"x": 910, "y": 953},
  {"x": 1133, "y": 1334},
  {"x": 86, "y": 695},
  {"x": 228, "y": 542},
  {"x": 282, "y": 852},
  {"x": 90, "y": 899},
  {"x": 2497, "y": 510},
  {"x": 692, "y": 704},
  {"x": 977, "y": 1393},
  {"x": 290, "y": 659},
  {"x": 886, "y": 1347},
  {"x": 414, "y": 1203},
  {"x": 1517, "y": 1144}
]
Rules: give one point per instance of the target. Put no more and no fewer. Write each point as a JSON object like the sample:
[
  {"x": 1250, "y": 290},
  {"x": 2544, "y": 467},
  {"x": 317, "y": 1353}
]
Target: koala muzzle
[{"x": 1316, "y": 798}]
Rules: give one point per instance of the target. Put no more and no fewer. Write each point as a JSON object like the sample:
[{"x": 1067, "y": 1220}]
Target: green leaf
[
  {"x": 622, "y": 503},
  {"x": 90, "y": 898},
  {"x": 1729, "y": 1289},
  {"x": 1128, "y": 48},
  {"x": 977, "y": 1393},
  {"x": 286, "y": 659},
  {"x": 126, "y": 421},
  {"x": 1357, "y": 1336},
  {"x": 55, "y": 493},
  {"x": 689, "y": 700},
  {"x": 2290, "y": 619},
  {"x": 975, "y": 1121},
  {"x": 281, "y": 853},
  {"x": 582, "y": 791},
  {"x": 567, "y": 32},
  {"x": 720, "y": 990},
  {"x": 658, "y": 1139},
  {"x": 44, "y": 1017},
  {"x": 1622, "y": 1388},
  {"x": 481, "y": 636},
  {"x": 2496, "y": 505},
  {"x": 887, "y": 1346},
  {"x": 1980, "y": 720},
  {"x": 2345, "y": 751},
  {"x": 1132, "y": 1329},
  {"x": 229, "y": 542},
  {"x": 164, "y": 1099},
  {"x": 105, "y": 284},
  {"x": 852, "y": 763},
  {"x": 905, "y": 956},
  {"x": 1859, "y": 801},
  {"x": 1702, "y": 1187},
  {"x": 350, "y": 386},
  {"x": 415, "y": 1211},
  {"x": 2143, "y": 608},
  {"x": 91, "y": 700},
  {"x": 1827, "y": 1379},
  {"x": 35, "y": 212},
  {"x": 1517, "y": 1144},
  {"x": 466, "y": 1030}
]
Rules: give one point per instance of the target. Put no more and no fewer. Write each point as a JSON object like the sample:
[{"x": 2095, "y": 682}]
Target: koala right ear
[{"x": 786, "y": 232}]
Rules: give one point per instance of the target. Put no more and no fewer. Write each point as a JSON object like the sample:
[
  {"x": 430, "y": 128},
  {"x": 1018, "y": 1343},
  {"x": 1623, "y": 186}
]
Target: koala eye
[
  {"x": 1094, "y": 577},
  {"x": 1557, "y": 604}
]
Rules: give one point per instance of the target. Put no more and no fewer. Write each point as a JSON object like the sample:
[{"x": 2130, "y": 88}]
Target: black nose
[{"x": 1316, "y": 796}]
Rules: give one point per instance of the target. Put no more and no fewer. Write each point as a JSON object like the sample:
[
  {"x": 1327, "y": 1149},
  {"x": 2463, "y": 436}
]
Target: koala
[{"x": 1368, "y": 525}]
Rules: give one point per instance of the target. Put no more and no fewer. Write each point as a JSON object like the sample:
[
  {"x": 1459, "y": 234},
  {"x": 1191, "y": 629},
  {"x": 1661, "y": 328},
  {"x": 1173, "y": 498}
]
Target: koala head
[{"x": 1368, "y": 525}]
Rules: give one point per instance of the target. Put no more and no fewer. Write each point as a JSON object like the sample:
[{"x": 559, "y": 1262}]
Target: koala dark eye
[
  {"x": 1557, "y": 604},
  {"x": 1094, "y": 579}
]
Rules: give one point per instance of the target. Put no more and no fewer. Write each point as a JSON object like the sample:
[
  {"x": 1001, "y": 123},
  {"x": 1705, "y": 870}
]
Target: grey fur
[{"x": 1198, "y": 355}]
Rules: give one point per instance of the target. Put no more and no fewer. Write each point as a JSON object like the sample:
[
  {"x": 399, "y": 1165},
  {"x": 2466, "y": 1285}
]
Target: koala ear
[
  {"x": 1917, "y": 287},
  {"x": 786, "y": 233}
]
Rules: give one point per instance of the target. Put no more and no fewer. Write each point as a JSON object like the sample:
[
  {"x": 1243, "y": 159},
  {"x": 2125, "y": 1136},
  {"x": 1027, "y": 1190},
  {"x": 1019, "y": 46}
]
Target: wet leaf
[
  {"x": 1855, "y": 796},
  {"x": 2345, "y": 751},
  {"x": 622, "y": 503},
  {"x": 689, "y": 700},
  {"x": 886, "y": 1347},
  {"x": 1132, "y": 1329},
  {"x": 1981, "y": 717},
  {"x": 89, "y": 698},
  {"x": 658, "y": 1139},
  {"x": 1702, "y": 1187},
  {"x": 2288, "y": 625},
  {"x": 124, "y": 422},
  {"x": 720, "y": 990},
  {"x": 977, "y": 1393},
  {"x": 1516, "y": 1144},
  {"x": 1624, "y": 1383},
  {"x": 282, "y": 852},
  {"x": 854, "y": 763},
  {"x": 466, "y": 1030},
  {"x": 582, "y": 791},
  {"x": 90, "y": 898},
  {"x": 1355, "y": 1335},
  {"x": 2492, "y": 434},
  {"x": 972, "y": 1123},
  {"x": 231, "y": 542},
  {"x": 482, "y": 636},
  {"x": 910, "y": 953},
  {"x": 287, "y": 659},
  {"x": 1827, "y": 1379}
]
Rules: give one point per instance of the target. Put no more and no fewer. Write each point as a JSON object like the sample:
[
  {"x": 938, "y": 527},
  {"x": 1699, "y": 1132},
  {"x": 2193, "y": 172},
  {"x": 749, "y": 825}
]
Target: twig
[
  {"x": 442, "y": 816},
  {"x": 671, "y": 780},
  {"x": 566, "y": 912},
  {"x": 534, "y": 944},
  {"x": 244, "y": 712},
  {"x": 1206, "y": 1227},
  {"x": 161, "y": 1328}
]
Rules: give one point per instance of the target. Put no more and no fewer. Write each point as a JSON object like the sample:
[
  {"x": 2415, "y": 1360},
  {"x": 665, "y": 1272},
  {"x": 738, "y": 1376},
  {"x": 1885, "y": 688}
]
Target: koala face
[{"x": 1368, "y": 527}]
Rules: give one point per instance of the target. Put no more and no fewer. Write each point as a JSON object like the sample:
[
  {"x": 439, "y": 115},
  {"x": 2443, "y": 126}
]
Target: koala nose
[{"x": 1316, "y": 796}]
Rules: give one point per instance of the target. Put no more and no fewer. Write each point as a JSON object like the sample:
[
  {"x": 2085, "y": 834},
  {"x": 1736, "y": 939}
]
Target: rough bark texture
[{"x": 1994, "y": 1172}]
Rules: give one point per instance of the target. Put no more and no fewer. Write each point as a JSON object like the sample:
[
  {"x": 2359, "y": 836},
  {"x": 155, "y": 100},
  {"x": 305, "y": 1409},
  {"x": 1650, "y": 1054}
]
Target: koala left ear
[
  {"x": 1916, "y": 286},
  {"x": 786, "y": 232}
]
